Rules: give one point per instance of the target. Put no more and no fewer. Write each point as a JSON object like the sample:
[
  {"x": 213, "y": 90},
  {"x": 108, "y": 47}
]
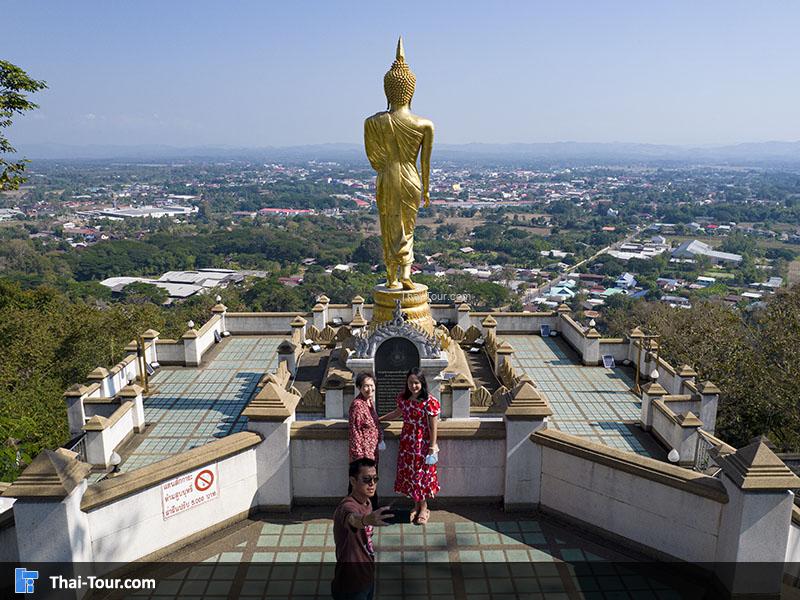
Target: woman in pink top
[{"x": 365, "y": 430}]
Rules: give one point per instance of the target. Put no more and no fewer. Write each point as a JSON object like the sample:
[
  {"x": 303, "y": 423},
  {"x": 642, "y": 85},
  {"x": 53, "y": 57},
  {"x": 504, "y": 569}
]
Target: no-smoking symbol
[{"x": 203, "y": 480}]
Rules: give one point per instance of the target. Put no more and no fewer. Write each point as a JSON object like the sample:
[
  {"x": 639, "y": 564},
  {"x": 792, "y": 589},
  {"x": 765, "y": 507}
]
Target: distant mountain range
[{"x": 746, "y": 154}]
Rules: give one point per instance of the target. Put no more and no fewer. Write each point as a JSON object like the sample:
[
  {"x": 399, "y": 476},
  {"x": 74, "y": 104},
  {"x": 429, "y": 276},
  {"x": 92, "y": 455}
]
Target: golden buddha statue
[{"x": 393, "y": 140}]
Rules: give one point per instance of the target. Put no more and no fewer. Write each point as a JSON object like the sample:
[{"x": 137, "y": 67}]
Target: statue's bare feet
[
  {"x": 391, "y": 281},
  {"x": 405, "y": 277},
  {"x": 391, "y": 277}
]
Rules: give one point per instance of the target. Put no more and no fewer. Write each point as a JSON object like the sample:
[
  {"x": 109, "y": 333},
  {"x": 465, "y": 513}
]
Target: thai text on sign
[{"x": 189, "y": 490}]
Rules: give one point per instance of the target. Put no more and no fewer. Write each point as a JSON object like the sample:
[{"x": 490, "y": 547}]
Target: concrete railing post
[
  {"x": 76, "y": 415},
  {"x": 134, "y": 393},
  {"x": 271, "y": 414},
  {"x": 753, "y": 532},
  {"x": 687, "y": 444},
  {"x": 151, "y": 336},
  {"x": 591, "y": 347},
  {"x": 320, "y": 316},
  {"x": 709, "y": 401},
  {"x": 649, "y": 360},
  {"x": 334, "y": 403},
  {"x": 489, "y": 325},
  {"x": 287, "y": 353},
  {"x": 334, "y": 388},
  {"x": 298, "y": 326},
  {"x": 461, "y": 390},
  {"x": 562, "y": 310},
  {"x": 320, "y": 311},
  {"x": 634, "y": 340},
  {"x": 527, "y": 412},
  {"x": 503, "y": 355},
  {"x": 358, "y": 323},
  {"x": 191, "y": 349},
  {"x": 650, "y": 392},
  {"x": 464, "y": 320},
  {"x": 432, "y": 368},
  {"x": 49, "y": 524},
  {"x": 221, "y": 310},
  {"x": 357, "y": 306},
  {"x": 684, "y": 375},
  {"x": 102, "y": 377}
]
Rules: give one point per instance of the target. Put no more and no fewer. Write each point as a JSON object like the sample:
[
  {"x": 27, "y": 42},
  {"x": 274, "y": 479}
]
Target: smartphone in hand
[{"x": 399, "y": 516}]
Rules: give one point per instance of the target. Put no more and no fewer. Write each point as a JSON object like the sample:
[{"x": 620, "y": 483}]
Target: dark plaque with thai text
[{"x": 393, "y": 359}]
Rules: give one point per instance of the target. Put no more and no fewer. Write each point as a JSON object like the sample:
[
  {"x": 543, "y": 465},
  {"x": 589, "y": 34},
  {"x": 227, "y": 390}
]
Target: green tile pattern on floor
[
  {"x": 592, "y": 402},
  {"x": 510, "y": 559},
  {"x": 193, "y": 406}
]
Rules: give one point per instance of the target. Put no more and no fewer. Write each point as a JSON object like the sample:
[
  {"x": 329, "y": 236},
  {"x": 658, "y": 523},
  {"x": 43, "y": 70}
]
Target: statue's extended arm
[{"x": 425, "y": 162}]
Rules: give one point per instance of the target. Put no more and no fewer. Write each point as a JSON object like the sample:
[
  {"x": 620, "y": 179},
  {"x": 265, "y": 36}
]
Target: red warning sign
[
  {"x": 204, "y": 480},
  {"x": 189, "y": 490}
]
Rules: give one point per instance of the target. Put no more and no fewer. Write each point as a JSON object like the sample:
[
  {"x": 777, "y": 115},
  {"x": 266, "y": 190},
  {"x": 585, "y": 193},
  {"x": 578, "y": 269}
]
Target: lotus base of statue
[{"x": 413, "y": 303}]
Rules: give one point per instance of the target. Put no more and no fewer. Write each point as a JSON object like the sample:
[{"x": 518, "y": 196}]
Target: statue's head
[{"x": 399, "y": 81}]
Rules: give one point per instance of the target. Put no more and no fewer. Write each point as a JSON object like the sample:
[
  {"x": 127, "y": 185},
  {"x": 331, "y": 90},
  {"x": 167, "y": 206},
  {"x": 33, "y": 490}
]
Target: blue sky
[{"x": 285, "y": 73}]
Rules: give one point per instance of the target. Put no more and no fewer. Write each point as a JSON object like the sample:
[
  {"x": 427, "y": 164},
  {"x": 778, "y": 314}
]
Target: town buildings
[
  {"x": 181, "y": 284},
  {"x": 693, "y": 249}
]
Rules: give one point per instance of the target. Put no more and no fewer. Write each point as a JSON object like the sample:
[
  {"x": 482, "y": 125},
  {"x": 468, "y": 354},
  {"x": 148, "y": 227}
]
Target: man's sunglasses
[{"x": 369, "y": 480}]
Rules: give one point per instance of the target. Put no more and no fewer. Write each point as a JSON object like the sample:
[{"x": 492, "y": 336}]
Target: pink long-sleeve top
[{"x": 365, "y": 430}]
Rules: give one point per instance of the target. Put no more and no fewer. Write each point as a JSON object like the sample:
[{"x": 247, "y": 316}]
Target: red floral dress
[{"x": 415, "y": 479}]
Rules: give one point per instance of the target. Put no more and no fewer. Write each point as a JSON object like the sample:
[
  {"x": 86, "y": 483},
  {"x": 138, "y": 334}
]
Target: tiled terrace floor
[
  {"x": 189, "y": 407},
  {"x": 451, "y": 557},
  {"x": 592, "y": 402}
]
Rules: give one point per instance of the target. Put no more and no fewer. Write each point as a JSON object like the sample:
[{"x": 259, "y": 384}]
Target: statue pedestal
[
  {"x": 413, "y": 303},
  {"x": 400, "y": 337}
]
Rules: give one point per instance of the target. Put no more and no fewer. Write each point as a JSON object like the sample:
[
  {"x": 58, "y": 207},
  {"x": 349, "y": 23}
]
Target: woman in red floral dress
[{"x": 418, "y": 452}]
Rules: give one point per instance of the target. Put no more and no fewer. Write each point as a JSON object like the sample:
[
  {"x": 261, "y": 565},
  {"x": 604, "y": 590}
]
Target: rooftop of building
[{"x": 697, "y": 247}]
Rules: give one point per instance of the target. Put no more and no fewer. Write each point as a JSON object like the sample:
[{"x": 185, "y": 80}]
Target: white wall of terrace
[{"x": 471, "y": 461}]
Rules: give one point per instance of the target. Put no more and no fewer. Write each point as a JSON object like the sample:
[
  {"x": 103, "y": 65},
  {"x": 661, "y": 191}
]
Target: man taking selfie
[{"x": 353, "y": 521}]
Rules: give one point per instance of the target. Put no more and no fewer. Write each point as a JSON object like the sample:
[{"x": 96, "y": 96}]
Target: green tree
[
  {"x": 752, "y": 357},
  {"x": 51, "y": 343},
  {"x": 13, "y": 101},
  {"x": 270, "y": 295},
  {"x": 140, "y": 292},
  {"x": 370, "y": 250},
  {"x": 738, "y": 243}
]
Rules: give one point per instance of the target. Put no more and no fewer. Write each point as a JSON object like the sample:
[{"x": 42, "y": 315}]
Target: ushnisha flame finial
[{"x": 399, "y": 81}]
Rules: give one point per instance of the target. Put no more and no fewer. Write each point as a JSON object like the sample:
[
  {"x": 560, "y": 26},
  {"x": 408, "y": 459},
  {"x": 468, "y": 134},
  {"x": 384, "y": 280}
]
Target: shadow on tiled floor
[
  {"x": 470, "y": 554},
  {"x": 190, "y": 407},
  {"x": 588, "y": 401}
]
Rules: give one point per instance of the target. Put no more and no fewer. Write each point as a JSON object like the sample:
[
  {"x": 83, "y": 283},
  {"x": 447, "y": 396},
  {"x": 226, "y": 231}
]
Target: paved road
[{"x": 545, "y": 289}]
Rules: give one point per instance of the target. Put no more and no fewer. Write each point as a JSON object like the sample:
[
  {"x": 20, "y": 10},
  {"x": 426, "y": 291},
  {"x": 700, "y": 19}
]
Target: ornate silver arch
[{"x": 366, "y": 343}]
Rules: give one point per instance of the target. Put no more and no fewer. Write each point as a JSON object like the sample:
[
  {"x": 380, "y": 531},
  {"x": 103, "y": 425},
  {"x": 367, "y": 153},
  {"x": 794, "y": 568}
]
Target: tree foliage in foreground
[
  {"x": 51, "y": 342},
  {"x": 751, "y": 356},
  {"x": 13, "y": 102}
]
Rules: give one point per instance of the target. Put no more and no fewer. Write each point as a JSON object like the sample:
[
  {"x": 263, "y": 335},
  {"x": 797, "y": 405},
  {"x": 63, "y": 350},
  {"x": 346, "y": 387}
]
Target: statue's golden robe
[{"x": 392, "y": 147}]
